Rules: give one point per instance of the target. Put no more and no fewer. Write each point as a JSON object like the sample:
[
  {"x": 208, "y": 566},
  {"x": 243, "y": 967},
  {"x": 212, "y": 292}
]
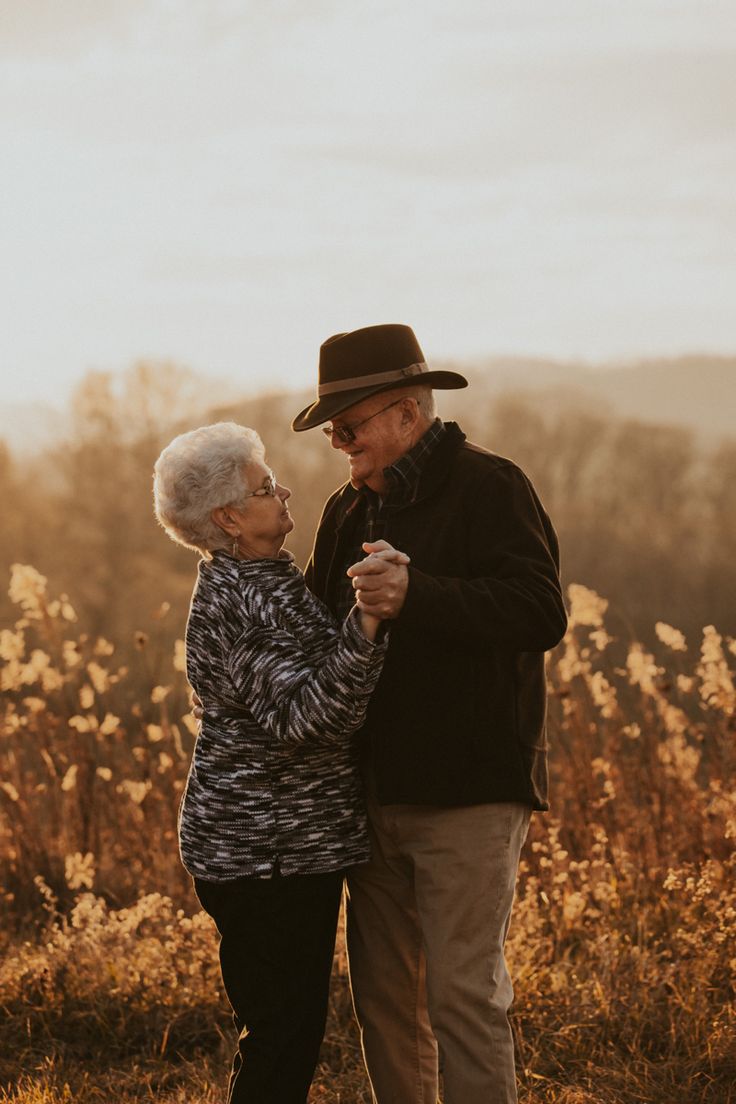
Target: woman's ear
[{"x": 224, "y": 521}]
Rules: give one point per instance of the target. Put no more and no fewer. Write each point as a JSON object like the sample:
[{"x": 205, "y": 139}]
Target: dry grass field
[{"x": 623, "y": 942}]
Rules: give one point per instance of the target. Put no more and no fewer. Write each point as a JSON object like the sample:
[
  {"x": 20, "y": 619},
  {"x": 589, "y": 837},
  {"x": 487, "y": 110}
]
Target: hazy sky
[{"x": 227, "y": 182}]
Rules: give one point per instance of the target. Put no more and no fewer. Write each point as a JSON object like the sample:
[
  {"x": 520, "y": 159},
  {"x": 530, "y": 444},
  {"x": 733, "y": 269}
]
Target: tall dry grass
[{"x": 623, "y": 940}]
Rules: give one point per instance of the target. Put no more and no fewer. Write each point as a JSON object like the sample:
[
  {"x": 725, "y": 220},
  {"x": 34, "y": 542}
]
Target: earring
[{"x": 236, "y": 549}]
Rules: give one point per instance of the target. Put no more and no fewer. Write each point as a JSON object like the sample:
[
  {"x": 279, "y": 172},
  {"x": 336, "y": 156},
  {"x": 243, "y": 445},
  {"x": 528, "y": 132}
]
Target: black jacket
[{"x": 458, "y": 715}]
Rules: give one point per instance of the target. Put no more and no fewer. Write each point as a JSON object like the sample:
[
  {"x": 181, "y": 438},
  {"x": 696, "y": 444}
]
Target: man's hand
[{"x": 381, "y": 580}]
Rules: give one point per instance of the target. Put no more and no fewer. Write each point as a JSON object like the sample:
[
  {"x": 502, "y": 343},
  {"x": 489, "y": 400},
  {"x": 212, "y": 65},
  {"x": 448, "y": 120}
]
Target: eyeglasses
[
  {"x": 346, "y": 433},
  {"x": 268, "y": 488}
]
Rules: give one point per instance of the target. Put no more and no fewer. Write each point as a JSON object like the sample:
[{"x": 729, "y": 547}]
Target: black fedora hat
[{"x": 354, "y": 365}]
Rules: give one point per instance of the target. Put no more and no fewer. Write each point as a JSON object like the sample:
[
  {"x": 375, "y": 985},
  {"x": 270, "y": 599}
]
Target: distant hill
[
  {"x": 694, "y": 391},
  {"x": 698, "y": 392}
]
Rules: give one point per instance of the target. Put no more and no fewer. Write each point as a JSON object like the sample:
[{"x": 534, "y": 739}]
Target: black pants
[{"x": 276, "y": 948}]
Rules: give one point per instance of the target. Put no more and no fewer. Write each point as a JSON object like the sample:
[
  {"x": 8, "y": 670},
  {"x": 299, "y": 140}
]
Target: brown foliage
[
  {"x": 622, "y": 941},
  {"x": 644, "y": 514},
  {"x": 623, "y": 937}
]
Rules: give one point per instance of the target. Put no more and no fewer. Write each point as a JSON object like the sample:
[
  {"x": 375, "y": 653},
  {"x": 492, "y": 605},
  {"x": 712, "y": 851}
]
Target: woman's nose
[{"x": 283, "y": 492}]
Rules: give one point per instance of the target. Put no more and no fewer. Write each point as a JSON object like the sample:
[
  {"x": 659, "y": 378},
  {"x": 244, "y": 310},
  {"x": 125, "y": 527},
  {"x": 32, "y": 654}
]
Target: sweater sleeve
[
  {"x": 513, "y": 598},
  {"x": 297, "y": 699}
]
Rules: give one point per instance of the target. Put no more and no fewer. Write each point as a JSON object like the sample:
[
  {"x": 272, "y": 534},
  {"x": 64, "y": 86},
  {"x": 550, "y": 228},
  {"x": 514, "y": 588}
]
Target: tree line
[{"x": 646, "y": 515}]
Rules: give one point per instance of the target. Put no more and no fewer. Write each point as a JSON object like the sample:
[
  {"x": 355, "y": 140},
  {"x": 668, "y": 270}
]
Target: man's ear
[
  {"x": 222, "y": 518},
  {"x": 409, "y": 412}
]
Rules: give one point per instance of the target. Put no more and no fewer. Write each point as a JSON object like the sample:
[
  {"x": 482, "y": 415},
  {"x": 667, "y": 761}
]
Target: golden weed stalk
[{"x": 623, "y": 941}]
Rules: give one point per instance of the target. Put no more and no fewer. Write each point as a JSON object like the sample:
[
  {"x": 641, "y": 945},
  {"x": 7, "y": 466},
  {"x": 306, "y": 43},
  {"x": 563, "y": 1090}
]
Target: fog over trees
[{"x": 646, "y": 513}]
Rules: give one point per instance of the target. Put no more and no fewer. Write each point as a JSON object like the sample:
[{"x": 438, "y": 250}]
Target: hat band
[{"x": 375, "y": 377}]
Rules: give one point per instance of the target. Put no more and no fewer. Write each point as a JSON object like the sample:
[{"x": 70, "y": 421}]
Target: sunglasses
[{"x": 346, "y": 433}]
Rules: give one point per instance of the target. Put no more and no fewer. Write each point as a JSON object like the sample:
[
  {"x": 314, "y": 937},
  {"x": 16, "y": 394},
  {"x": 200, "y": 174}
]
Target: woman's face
[{"x": 264, "y": 519}]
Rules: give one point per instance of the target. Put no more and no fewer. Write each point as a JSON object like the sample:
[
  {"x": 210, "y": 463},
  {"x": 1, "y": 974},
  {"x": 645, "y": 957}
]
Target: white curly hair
[{"x": 198, "y": 472}]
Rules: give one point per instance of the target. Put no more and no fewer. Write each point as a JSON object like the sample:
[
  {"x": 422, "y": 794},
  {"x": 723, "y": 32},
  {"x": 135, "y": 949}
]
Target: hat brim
[{"x": 329, "y": 406}]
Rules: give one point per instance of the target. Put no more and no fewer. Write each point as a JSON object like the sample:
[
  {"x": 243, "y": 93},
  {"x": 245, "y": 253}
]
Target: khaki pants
[{"x": 427, "y": 920}]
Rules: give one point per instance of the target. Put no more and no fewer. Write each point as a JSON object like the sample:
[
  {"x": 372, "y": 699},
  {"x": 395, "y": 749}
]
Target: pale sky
[{"x": 225, "y": 183}]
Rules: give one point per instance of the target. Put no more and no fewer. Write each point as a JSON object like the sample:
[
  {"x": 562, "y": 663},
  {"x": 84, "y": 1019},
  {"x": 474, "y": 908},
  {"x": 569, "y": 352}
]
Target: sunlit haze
[{"x": 225, "y": 183}]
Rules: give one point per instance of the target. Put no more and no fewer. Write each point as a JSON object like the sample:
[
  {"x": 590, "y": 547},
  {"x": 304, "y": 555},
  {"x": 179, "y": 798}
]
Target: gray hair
[
  {"x": 198, "y": 472},
  {"x": 424, "y": 396}
]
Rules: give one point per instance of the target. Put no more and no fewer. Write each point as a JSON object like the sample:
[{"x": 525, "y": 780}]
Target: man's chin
[{"x": 356, "y": 477}]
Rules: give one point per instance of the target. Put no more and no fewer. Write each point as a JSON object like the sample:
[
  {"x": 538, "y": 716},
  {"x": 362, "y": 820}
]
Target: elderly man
[{"x": 454, "y": 753}]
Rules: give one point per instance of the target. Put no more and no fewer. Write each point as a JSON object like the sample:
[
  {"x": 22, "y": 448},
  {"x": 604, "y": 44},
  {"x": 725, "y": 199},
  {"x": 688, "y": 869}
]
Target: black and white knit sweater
[{"x": 273, "y": 783}]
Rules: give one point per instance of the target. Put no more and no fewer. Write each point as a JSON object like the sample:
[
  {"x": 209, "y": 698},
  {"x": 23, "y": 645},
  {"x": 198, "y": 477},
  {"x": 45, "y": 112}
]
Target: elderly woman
[{"x": 272, "y": 812}]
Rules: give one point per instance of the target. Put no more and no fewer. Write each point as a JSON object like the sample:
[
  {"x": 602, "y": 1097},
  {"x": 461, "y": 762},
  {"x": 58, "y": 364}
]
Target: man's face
[{"x": 378, "y": 442}]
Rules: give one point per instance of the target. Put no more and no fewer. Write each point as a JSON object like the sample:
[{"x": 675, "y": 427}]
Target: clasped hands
[{"x": 381, "y": 580}]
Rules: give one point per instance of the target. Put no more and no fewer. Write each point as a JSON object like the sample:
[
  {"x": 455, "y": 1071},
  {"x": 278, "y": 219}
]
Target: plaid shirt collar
[
  {"x": 375, "y": 515},
  {"x": 403, "y": 476}
]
